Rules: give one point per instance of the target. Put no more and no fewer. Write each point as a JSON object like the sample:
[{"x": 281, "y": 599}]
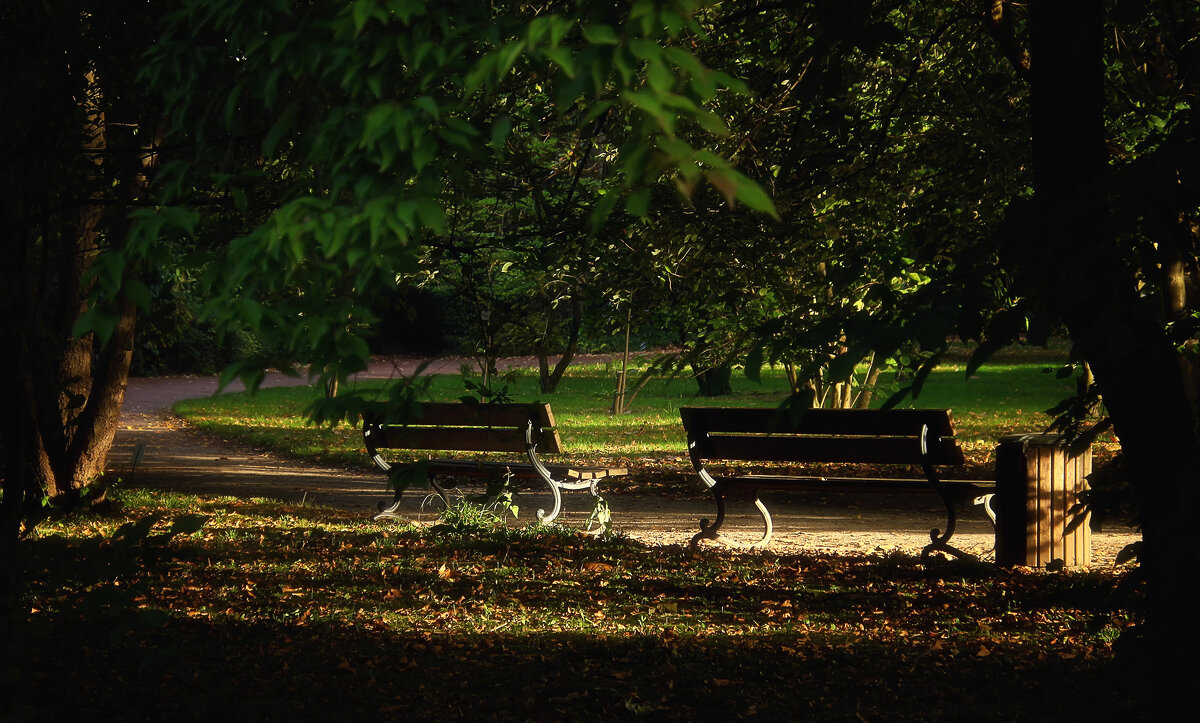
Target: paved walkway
[{"x": 178, "y": 457}]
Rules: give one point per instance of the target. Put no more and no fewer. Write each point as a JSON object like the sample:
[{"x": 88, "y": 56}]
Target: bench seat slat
[
  {"x": 781, "y": 448},
  {"x": 964, "y": 488},
  {"x": 457, "y": 414},
  {"x": 862, "y": 422},
  {"x": 468, "y": 467},
  {"x": 506, "y": 417},
  {"x": 447, "y": 439}
]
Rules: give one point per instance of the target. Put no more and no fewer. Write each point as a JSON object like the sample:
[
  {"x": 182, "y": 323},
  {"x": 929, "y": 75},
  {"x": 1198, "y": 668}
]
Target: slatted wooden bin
[{"x": 1039, "y": 515}]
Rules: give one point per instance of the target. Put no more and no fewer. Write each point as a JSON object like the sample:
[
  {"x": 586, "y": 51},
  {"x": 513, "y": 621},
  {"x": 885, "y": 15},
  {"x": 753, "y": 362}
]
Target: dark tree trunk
[
  {"x": 65, "y": 393},
  {"x": 549, "y": 379},
  {"x": 713, "y": 381},
  {"x": 1078, "y": 267}
]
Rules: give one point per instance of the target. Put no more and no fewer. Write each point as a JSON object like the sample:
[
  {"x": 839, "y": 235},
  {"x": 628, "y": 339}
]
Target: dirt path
[{"x": 180, "y": 458}]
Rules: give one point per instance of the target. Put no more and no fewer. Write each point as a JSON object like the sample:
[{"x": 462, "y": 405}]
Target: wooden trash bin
[{"x": 1037, "y": 503}]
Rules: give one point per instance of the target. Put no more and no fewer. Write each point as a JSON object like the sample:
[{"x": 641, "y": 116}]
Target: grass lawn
[
  {"x": 1007, "y": 397},
  {"x": 284, "y": 612}
]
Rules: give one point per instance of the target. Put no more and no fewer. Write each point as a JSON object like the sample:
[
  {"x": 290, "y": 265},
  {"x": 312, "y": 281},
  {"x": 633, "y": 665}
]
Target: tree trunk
[
  {"x": 713, "y": 381},
  {"x": 1078, "y": 267},
  {"x": 548, "y": 379},
  {"x": 863, "y": 401},
  {"x": 65, "y": 392}
]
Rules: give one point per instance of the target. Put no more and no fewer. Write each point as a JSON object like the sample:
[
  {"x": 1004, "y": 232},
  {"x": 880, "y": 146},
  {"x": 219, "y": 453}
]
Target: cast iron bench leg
[
  {"x": 937, "y": 539},
  {"x": 386, "y": 511},
  {"x": 541, "y": 514},
  {"x": 554, "y": 485},
  {"x": 712, "y": 532}
]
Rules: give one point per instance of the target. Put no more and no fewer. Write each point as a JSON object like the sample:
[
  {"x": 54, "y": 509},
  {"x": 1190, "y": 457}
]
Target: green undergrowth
[
  {"x": 272, "y": 611},
  {"x": 1007, "y": 397}
]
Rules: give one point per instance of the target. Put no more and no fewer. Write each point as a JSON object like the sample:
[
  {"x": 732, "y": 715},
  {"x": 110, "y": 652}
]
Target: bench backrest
[
  {"x": 454, "y": 426},
  {"x": 867, "y": 436}
]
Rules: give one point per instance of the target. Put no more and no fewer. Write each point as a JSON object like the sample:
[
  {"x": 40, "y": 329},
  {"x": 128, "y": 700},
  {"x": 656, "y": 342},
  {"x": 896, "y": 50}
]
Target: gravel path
[{"x": 180, "y": 458}]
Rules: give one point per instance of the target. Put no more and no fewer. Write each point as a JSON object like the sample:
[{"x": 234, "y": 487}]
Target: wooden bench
[
  {"x": 899, "y": 440},
  {"x": 527, "y": 429}
]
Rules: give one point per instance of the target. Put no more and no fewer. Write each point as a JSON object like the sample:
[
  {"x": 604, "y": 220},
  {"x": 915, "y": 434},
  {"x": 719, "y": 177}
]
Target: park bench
[
  {"x": 899, "y": 441},
  {"x": 526, "y": 429}
]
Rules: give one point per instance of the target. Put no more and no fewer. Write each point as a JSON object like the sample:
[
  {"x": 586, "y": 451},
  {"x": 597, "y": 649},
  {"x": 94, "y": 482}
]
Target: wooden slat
[
  {"x": 588, "y": 473},
  {"x": 460, "y": 423},
  {"x": 468, "y": 467},
  {"x": 862, "y": 450},
  {"x": 457, "y": 414},
  {"x": 868, "y": 422},
  {"x": 460, "y": 439},
  {"x": 958, "y": 488},
  {"x": 1082, "y": 536}
]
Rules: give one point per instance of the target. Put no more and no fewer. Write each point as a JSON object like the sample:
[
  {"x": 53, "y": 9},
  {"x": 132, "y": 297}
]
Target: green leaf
[
  {"x": 231, "y": 103},
  {"x": 362, "y": 13},
  {"x": 650, "y": 104},
  {"x": 500, "y": 130},
  {"x": 923, "y": 373},
  {"x": 431, "y": 214},
  {"x": 378, "y": 122},
  {"x": 508, "y": 57},
  {"x": 734, "y": 185},
  {"x": 600, "y": 35},
  {"x": 563, "y": 58},
  {"x": 712, "y": 123},
  {"x": 281, "y": 127},
  {"x": 250, "y": 311},
  {"x": 672, "y": 22},
  {"x": 661, "y": 79},
  {"x": 638, "y": 203},
  {"x": 479, "y": 73},
  {"x": 139, "y": 294},
  {"x": 179, "y": 217},
  {"x": 753, "y": 195},
  {"x": 423, "y": 154},
  {"x": 601, "y": 213},
  {"x": 427, "y": 104}
]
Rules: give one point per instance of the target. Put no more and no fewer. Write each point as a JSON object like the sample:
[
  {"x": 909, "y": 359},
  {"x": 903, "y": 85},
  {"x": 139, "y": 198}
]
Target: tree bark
[
  {"x": 548, "y": 379},
  {"x": 1077, "y": 266},
  {"x": 59, "y": 178},
  {"x": 713, "y": 381},
  {"x": 867, "y": 392}
]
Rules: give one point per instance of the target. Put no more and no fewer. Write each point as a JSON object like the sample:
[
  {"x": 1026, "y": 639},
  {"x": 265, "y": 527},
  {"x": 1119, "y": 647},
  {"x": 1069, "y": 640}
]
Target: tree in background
[
  {"x": 519, "y": 247},
  {"x": 79, "y": 141},
  {"x": 889, "y": 139}
]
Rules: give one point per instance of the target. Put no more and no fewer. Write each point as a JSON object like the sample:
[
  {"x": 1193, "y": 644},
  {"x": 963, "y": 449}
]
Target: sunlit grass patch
[{"x": 1007, "y": 397}]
